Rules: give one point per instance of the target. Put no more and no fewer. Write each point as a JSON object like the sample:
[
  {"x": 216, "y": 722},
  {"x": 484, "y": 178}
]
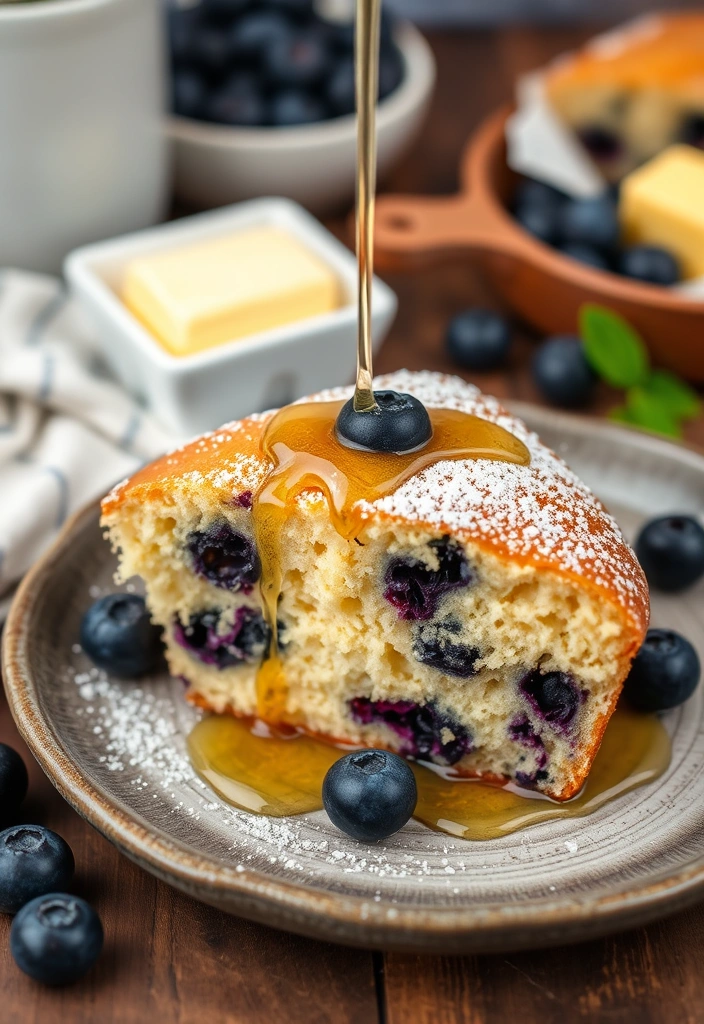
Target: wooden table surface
[{"x": 168, "y": 958}]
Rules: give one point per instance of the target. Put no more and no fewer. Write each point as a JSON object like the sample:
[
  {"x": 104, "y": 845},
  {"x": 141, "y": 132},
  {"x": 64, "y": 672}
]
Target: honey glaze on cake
[
  {"x": 353, "y": 667},
  {"x": 301, "y": 444},
  {"x": 281, "y": 773}
]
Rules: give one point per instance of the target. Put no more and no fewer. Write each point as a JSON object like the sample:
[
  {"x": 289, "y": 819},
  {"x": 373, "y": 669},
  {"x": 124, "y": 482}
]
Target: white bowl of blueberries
[{"x": 263, "y": 100}]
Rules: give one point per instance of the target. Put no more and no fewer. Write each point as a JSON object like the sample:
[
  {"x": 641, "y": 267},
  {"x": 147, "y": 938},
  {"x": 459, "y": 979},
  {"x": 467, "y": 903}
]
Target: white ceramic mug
[{"x": 83, "y": 154}]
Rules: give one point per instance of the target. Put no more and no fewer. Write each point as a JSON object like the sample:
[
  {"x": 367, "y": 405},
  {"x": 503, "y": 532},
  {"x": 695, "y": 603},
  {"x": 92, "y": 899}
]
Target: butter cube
[
  {"x": 662, "y": 203},
  {"x": 200, "y": 295}
]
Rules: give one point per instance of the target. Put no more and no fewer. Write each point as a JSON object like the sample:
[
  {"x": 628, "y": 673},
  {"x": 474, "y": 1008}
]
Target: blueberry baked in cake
[
  {"x": 632, "y": 92},
  {"x": 483, "y": 618}
]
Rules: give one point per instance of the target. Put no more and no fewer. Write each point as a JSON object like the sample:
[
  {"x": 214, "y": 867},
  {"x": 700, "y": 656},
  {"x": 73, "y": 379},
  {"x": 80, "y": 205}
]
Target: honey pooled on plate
[{"x": 258, "y": 771}]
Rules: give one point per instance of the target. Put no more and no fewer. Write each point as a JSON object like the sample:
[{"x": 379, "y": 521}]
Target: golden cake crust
[
  {"x": 663, "y": 51},
  {"x": 540, "y": 515}
]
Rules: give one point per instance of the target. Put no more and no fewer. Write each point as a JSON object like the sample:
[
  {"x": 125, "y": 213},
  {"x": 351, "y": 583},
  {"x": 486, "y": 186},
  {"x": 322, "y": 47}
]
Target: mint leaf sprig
[{"x": 654, "y": 400}]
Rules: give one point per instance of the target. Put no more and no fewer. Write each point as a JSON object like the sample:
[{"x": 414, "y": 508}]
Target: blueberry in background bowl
[
  {"x": 284, "y": 45},
  {"x": 587, "y": 230}
]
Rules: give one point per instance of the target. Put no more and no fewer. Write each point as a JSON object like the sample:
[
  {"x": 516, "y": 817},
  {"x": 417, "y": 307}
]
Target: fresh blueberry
[
  {"x": 671, "y": 551},
  {"x": 530, "y": 192},
  {"x": 415, "y": 590},
  {"x": 590, "y": 222},
  {"x": 247, "y": 641},
  {"x": 400, "y": 423},
  {"x": 537, "y": 208},
  {"x": 189, "y": 94},
  {"x": 339, "y": 91},
  {"x": 224, "y": 557},
  {"x": 294, "y": 107},
  {"x": 118, "y": 635},
  {"x": 299, "y": 10},
  {"x": 56, "y": 938},
  {"x": 390, "y": 71},
  {"x": 426, "y": 732},
  {"x": 562, "y": 374},
  {"x": 224, "y": 11},
  {"x": 553, "y": 695},
  {"x": 664, "y": 673},
  {"x": 237, "y": 103},
  {"x": 13, "y": 781},
  {"x": 33, "y": 861},
  {"x": 211, "y": 52},
  {"x": 370, "y": 794},
  {"x": 585, "y": 254},
  {"x": 521, "y": 731},
  {"x": 651, "y": 264},
  {"x": 478, "y": 339},
  {"x": 693, "y": 131},
  {"x": 299, "y": 60},
  {"x": 601, "y": 143},
  {"x": 252, "y": 35},
  {"x": 542, "y": 222},
  {"x": 183, "y": 26},
  {"x": 434, "y": 646}
]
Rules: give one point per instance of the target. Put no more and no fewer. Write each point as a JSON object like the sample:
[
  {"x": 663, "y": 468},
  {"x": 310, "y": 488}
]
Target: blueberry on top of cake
[{"x": 484, "y": 618}]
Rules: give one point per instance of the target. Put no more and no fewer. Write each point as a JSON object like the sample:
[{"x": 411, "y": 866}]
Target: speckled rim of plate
[{"x": 345, "y": 919}]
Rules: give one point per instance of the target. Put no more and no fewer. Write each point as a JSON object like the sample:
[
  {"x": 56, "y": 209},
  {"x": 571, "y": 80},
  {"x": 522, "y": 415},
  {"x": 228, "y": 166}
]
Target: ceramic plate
[{"x": 117, "y": 751}]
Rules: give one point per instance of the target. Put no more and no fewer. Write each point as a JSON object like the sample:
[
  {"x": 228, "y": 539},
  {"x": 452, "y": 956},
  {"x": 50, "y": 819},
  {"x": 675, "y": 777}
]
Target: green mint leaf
[
  {"x": 646, "y": 410},
  {"x": 612, "y": 347},
  {"x": 678, "y": 398}
]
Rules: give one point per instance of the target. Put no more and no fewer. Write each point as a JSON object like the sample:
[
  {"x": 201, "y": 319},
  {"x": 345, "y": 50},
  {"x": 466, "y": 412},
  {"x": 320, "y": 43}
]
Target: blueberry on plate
[
  {"x": 370, "y": 794},
  {"x": 294, "y": 106},
  {"x": 650, "y": 264},
  {"x": 585, "y": 254},
  {"x": 671, "y": 551},
  {"x": 664, "y": 673},
  {"x": 118, "y": 635},
  {"x": 478, "y": 339},
  {"x": 299, "y": 60},
  {"x": 188, "y": 94},
  {"x": 56, "y": 938},
  {"x": 562, "y": 374},
  {"x": 590, "y": 221},
  {"x": 13, "y": 781},
  {"x": 400, "y": 423},
  {"x": 33, "y": 861}
]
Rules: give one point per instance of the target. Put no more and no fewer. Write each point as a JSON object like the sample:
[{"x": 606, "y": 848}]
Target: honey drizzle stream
[
  {"x": 300, "y": 442},
  {"x": 366, "y": 88}
]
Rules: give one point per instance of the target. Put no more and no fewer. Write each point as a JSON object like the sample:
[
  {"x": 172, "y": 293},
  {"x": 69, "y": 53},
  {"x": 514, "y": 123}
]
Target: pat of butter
[
  {"x": 662, "y": 203},
  {"x": 201, "y": 295}
]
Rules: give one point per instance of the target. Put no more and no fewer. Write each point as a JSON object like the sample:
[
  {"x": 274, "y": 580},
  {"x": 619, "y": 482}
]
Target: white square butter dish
[{"x": 200, "y": 391}]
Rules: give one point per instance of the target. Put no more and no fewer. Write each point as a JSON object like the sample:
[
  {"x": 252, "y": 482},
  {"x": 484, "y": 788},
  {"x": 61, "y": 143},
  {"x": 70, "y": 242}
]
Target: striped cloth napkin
[{"x": 68, "y": 431}]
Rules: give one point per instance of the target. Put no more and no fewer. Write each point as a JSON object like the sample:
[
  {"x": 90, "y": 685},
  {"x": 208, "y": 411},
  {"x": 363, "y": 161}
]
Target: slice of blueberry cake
[{"x": 484, "y": 618}]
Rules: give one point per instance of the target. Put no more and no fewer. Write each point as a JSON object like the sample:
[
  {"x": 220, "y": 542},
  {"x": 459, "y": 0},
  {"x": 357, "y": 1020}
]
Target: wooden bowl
[{"x": 537, "y": 282}]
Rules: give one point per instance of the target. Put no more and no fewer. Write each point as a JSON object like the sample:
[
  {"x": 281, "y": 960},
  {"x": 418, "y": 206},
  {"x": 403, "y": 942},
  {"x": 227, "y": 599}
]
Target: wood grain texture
[{"x": 170, "y": 959}]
